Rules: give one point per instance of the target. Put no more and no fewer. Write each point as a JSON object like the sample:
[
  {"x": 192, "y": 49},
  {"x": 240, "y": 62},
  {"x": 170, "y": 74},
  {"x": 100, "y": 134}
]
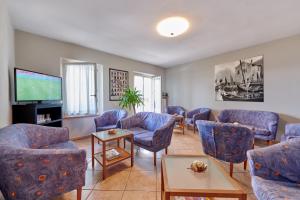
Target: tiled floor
[{"x": 142, "y": 182}]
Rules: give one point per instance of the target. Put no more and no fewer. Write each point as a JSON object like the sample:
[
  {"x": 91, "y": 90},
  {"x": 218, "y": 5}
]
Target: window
[
  {"x": 80, "y": 92},
  {"x": 150, "y": 88}
]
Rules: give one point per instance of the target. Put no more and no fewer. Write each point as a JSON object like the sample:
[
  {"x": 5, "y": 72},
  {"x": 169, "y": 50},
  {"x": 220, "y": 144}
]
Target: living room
[{"x": 217, "y": 68}]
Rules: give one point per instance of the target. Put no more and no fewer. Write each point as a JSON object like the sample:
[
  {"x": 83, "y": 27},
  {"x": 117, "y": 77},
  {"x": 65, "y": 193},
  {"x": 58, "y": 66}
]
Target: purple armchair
[
  {"x": 197, "y": 114},
  {"x": 226, "y": 141},
  {"x": 109, "y": 119},
  {"x": 275, "y": 171},
  {"x": 291, "y": 131},
  {"x": 39, "y": 162},
  {"x": 152, "y": 131},
  {"x": 263, "y": 124},
  {"x": 172, "y": 110}
]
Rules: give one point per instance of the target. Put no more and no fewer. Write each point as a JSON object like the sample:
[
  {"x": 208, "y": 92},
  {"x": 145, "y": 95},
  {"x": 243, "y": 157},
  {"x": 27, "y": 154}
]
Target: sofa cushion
[
  {"x": 261, "y": 131},
  {"x": 104, "y": 128},
  {"x": 137, "y": 130},
  {"x": 269, "y": 190},
  {"x": 145, "y": 138}
]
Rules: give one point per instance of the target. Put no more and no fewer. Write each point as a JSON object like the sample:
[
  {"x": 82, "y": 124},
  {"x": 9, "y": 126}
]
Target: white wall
[
  {"x": 192, "y": 85},
  {"x": 43, "y": 55},
  {"x": 6, "y": 61}
]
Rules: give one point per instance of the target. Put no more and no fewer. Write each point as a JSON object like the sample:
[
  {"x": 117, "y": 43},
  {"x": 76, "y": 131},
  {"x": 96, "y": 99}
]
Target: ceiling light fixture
[{"x": 172, "y": 26}]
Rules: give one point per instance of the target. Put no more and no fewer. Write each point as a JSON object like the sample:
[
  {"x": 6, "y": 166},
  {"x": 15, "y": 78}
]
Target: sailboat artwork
[{"x": 242, "y": 80}]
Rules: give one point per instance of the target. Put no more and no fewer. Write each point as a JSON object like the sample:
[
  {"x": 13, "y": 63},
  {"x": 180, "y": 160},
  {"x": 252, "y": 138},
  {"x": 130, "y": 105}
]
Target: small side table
[
  {"x": 104, "y": 137},
  {"x": 180, "y": 122}
]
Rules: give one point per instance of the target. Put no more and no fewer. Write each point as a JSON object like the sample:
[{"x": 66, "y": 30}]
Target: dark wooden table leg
[
  {"x": 243, "y": 197},
  {"x": 132, "y": 150},
  {"x": 162, "y": 182},
  {"x": 118, "y": 142},
  {"x": 104, "y": 159},
  {"x": 93, "y": 152},
  {"x": 167, "y": 196}
]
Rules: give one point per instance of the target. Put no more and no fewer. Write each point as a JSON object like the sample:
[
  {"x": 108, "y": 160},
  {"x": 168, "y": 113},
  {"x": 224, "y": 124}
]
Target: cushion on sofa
[
  {"x": 137, "y": 130},
  {"x": 269, "y": 190},
  {"x": 145, "y": 138}
]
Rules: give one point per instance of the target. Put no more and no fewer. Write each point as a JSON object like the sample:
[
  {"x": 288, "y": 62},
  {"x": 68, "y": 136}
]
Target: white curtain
[{"x": 79, "y": 89}]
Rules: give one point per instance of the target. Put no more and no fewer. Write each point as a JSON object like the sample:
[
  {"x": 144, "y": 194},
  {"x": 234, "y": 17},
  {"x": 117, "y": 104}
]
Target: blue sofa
[
  {"x": 197, "y": 114},
  {"x": 226, "y": 141},
  {"x": 291, "y": 131},
  {"x": 275, "y": 171},
  {"x": 152, "y": 131},
  {"x": 264, "y": 124},
  {"x": 39, "y": 162},
  {"x": 109, "y": 119}
]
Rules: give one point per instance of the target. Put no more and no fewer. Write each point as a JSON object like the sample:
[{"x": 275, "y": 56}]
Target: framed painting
[{"x": 118, "y": 83}]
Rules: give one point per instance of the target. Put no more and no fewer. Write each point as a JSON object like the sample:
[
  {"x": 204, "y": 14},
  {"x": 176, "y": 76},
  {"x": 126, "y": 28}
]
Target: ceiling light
[{"x": 172, "y": 26}]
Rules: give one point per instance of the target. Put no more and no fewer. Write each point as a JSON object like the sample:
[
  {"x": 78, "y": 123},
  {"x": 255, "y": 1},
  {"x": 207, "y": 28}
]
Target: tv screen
[{"x": 33, "y": 86}]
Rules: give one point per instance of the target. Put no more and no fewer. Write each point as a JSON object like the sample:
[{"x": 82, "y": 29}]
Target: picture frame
[
  {"x": 118, "y": 83},
  {"x": 241, "y": 80}
]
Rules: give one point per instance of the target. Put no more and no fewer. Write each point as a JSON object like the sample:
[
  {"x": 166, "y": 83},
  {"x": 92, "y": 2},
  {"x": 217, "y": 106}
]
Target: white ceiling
[{"x": 127, "y": 27}]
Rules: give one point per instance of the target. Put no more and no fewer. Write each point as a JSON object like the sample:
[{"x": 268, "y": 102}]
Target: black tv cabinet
[{"x": 28, "y": 113}]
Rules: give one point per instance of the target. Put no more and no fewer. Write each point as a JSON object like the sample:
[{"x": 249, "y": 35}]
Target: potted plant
[{"x": 131, "y": 99}]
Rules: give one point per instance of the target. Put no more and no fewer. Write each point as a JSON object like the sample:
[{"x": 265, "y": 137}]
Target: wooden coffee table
[
  {"x": 178, "y": 180},
  {"x": 104, "y": 137}
]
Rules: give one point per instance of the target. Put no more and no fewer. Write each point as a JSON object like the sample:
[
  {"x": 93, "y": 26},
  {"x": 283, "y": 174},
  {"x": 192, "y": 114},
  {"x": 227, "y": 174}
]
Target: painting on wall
[
  {"x": 242, "y": 80},
  {"x": 118, "y": 83}
]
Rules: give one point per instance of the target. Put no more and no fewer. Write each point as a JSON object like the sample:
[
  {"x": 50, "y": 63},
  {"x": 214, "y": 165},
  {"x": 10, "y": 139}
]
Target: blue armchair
[
  {"x": 172, "y": 110},
  {"x": 152, "y": 131},
  {"x": 197, "y": 114},
  {"x": 291, "y": 131},
  {"x": 263, "y": 124},
  {"x": 226, "y": 141},
  {"x": 39, "y": 162},
  {"x": 275, "y": 171},
  {"x": 109, "y": 119}
]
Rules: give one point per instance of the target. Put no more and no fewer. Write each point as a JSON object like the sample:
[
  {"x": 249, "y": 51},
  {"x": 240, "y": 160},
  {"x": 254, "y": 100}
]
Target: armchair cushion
[
  {"x": 269, "y": 190},
  {"x": 137, "y": 130},
  {"x": 145, "y": 138}
]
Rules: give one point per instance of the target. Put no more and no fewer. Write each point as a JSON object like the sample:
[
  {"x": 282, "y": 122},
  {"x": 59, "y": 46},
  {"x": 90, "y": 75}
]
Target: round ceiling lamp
[{"x": 172, "y": 26}]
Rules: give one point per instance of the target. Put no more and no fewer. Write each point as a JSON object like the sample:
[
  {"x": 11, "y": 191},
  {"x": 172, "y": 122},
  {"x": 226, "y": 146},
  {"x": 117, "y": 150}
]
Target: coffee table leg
[
  {"x": 167, "y": 196},
  {"x": 93, "y": 156},
  {"x": 162, "y": 182},
  {"x": 132, "y": 149},
  {"x": 104, "y": 159},
  {"x": 118, "y": 142},
  {"x": 243, "y": 197}
]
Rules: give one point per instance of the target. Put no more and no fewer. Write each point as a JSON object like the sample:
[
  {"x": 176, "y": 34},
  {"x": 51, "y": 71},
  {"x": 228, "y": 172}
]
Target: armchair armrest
[
  {"x": 276, "y": 162},
  {"x": 163, "y": 135},
  {"x": 130, "y": 122},
  {"x": 41, "y": 135}
]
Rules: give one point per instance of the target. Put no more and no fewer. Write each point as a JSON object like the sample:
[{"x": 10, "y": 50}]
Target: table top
[
  {"x": 105, "y": 136},
  {"x": 177, "y": 176}
]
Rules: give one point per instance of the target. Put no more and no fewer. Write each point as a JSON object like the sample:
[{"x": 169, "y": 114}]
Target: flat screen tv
[{"x": 34, "y": 86}]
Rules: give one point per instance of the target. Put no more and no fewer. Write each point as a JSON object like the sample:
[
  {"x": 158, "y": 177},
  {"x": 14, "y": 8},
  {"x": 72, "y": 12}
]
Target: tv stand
[{"x": 28, "y": 113}]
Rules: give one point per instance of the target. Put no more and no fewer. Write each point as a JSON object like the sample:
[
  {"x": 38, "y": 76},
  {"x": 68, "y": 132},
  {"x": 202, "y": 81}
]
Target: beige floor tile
[
  {"x": 91, "y": 178},
  {"x": 142, "y": 180},
  {"x": 116, "y": 181},
  {"x": 143, "y": 164},
  {"x": 73, "y": 195},
  {"x": 139, "y": 195},
  {"x": 105, "y": 195}
]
